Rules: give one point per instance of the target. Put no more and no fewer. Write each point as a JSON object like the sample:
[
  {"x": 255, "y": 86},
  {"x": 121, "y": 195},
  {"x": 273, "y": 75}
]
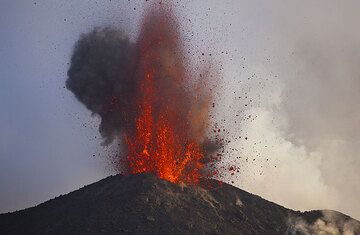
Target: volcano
[{"x": 146, "y": 204}]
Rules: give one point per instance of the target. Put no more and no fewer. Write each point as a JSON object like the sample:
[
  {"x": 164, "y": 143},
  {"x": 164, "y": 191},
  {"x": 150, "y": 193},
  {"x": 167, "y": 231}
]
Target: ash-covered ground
[{"x": 145, "y": 204}]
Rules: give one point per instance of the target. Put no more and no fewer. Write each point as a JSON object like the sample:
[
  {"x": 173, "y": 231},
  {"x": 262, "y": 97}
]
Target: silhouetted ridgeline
[{"x": 144, "y": 204}]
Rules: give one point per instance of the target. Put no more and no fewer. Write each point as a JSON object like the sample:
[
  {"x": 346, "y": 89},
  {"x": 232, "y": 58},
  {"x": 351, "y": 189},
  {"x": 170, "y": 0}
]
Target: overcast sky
[{"x": 294, "y": 63}]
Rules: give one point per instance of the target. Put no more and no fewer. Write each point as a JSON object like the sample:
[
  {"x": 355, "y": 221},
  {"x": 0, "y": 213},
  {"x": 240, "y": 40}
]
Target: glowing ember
[
  {"x": 146, "y": 98},
  {"x": 164, "y": 140}
]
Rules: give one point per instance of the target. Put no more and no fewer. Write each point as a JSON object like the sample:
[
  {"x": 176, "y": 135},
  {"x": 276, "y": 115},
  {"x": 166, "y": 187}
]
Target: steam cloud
[
  {"x": 102, "y": 77},
  {"x": 331, "y": 222},
  {"x": 315, "y": 104},
  {"x": 322, "y": 99}
]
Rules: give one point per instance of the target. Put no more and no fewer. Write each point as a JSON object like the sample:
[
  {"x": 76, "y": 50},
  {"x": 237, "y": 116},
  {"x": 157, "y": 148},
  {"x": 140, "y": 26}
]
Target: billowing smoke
[
  {"x": 321, "y": 96},
  {"x": 309, "y": 119},
  {"x": 330, "y": 222},
  {"x": 146, "y": 97},
  {"x": 101, "y": 76}
]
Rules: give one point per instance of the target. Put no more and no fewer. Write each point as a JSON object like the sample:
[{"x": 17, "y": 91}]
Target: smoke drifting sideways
[{"x": 101, "y": 76}]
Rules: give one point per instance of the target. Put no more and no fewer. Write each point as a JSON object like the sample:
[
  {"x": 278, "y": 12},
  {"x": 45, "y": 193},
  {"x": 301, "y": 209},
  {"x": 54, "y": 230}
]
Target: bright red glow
[{"x": 166, "y": 141}]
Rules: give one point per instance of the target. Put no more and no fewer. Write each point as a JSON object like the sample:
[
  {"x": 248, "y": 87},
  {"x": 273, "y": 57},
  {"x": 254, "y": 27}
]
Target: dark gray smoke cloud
[{"x": 101, "y": 76}]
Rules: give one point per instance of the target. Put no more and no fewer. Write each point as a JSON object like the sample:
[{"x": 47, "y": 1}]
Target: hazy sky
[{"x": 295, "y": 60}]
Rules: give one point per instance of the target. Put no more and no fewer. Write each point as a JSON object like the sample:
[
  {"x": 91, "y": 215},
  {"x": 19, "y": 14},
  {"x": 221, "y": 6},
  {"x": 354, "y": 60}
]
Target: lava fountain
[
  {"x": 164, "y": 142},
  {"x": 146, "y": 97}
]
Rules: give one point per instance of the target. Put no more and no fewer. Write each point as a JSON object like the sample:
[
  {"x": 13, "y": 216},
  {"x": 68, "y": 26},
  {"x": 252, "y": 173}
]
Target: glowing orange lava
[{"x": 164, "y": 142}]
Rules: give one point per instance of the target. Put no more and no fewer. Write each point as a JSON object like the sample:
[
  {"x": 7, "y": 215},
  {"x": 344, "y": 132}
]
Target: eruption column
[
  {"x": 163, "y": 142},
  {"x": 143, "y": 94}
]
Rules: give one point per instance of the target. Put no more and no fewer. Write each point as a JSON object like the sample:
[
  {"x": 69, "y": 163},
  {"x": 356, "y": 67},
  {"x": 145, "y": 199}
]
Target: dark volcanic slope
[{"x": 144, "y": 204}]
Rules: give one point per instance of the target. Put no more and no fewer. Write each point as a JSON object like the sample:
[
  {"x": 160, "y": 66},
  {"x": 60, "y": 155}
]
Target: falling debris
[{"x": 146, "y": 98}]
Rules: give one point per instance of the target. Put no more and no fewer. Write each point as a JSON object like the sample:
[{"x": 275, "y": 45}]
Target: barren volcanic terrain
[{"x": 145, "y": 204}]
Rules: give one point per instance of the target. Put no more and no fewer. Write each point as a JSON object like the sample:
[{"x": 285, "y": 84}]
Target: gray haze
[
  {"x": 308, "y": 118},
  {"x": 322, "y": 94},
  {"x": 323, "y": 116},
  {"x": 301, "y": 58}
]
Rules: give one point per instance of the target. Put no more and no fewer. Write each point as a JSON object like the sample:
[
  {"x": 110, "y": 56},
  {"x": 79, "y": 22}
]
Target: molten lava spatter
[
  {"x": 146, "y": 97},
  {"x": 164, "y": 142}
]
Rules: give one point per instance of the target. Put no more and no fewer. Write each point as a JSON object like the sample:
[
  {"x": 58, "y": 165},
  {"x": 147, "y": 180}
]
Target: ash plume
[
  {"x": 101, "y": 76},
  {"x": 144, "y": 95}
]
